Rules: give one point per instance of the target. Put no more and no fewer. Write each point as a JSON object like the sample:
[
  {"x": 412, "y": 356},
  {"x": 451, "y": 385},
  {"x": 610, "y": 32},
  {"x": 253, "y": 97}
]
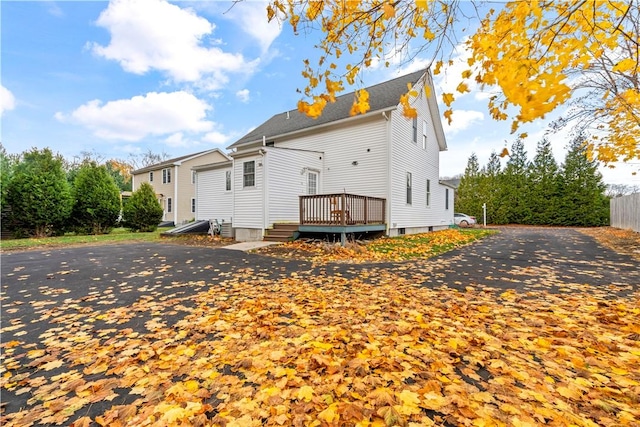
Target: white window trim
[
  {"x": 169, "y": 205},
  {"x": 424, "y": 134},
  {"x": 409, "y": 189},
  {"x": 227, "y": 180},
  {"x": 428, "y": 193},
  {"x": 245, "y": 174}
]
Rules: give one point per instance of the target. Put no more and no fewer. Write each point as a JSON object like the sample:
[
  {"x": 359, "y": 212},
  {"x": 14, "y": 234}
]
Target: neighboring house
[
  {"x": 332, "y": 161},
  {"x": 174, "y": 182}
]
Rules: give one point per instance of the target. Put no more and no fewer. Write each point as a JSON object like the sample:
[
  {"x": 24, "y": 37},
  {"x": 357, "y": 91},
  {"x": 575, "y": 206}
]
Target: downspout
[
  {"x": 175, "y": 196},
  {"x": 387, "y": 117},
  {"x": 265, "y": 208}
]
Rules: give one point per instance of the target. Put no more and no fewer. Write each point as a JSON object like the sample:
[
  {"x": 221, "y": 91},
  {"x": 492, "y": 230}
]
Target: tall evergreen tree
[
  {"x": 491, "y": 184},
  {"x": 584, "y": 202},
  {"x": 544, "y": 189},
  {"x": 515, "y": 185},
  {"x": 96, "y": 200},
  {"x": 38, "y": 195},
  {"x": 469, "y": 199}
]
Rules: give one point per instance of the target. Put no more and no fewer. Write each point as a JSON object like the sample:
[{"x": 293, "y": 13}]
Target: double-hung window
[
  {"x": 249, "y": 174},
  {"x": 166, "y": 176},
  {"x": 227, "y": 181},
  {"x": 150, "y": 176},
  {"x": 424, "y": 134},
  {"x": 428, "y": 192},
  {"x": 415, "y": 130},
  {"x": 409, "y": 189},
  {"x": 169, "y": 204}
]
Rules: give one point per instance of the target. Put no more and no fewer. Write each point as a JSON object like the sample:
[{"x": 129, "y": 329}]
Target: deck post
[{"x": 343, "y": 238}]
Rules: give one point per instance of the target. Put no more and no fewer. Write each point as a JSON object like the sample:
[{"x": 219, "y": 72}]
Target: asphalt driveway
[{"x": 44, "y": 291}]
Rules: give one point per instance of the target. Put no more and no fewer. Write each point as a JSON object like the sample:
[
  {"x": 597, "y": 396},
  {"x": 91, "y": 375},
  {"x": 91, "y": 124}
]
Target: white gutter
[
  {"x": 388, "y": 116},
  {"x": 265, "y": 208}
]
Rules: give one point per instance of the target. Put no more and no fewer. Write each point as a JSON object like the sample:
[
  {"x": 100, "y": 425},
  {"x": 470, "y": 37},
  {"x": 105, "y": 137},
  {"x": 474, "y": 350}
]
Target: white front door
[{"x": 312, "y": 182}]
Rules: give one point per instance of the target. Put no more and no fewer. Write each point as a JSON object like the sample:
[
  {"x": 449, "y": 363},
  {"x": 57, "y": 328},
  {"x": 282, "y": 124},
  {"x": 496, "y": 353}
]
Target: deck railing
[{"x": 341, "y": 209}]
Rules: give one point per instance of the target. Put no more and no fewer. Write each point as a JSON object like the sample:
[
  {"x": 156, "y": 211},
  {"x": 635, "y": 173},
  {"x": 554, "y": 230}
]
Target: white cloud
[
  {"x": 7, "y": 100},
  {"x": 251, "y": 16},
  {"x": 157, "y": 35},
  {"x": 217, "y": 138},
  {"x": 243, "y": 95},
  {"x": 461, "y": 120},
  {"x": 152, "y": 114}
]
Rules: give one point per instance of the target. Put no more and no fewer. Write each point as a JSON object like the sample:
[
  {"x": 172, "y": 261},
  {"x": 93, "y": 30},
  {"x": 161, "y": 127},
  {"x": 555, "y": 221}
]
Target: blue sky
[{"x": 123, "y": 77}]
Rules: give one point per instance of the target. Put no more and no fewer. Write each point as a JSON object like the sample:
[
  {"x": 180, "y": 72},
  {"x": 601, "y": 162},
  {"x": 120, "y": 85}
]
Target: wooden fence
[{"x": 625, "y": 212}]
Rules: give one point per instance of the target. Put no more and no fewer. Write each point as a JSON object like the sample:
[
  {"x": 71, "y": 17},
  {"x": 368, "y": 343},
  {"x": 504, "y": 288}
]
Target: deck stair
[{"x": 282, "y": 232}]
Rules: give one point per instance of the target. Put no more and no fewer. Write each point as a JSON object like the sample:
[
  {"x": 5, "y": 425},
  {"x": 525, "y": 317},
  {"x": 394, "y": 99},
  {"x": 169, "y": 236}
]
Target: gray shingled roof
[
  {"x": 381, "y": 96},
  {"x": 169, "y": 162}
]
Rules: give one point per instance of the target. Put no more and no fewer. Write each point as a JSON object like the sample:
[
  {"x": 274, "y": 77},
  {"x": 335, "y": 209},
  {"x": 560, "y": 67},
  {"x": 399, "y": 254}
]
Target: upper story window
[
  {"x": 249, "y": 174},
  {"x": 227, "y": 181},
  {"x": 415, "y": 130},
  {"x": 150, "y": 176},
  {"x": 166, "y": 176},
  {"x": 428, "y": 192},
  {"x": 424, "y": 134},
  {"x": 193, "y": 177},
  {"x": 446, "y": 198}
]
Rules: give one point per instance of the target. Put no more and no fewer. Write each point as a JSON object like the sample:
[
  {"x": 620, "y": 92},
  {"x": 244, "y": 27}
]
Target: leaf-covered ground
[
  {"x": 388, "y": 249},
  {"x": 528, "y": 327}
]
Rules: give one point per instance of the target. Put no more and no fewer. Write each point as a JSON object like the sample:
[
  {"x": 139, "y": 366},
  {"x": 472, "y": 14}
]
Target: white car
[{"x": 464, "y": 220}]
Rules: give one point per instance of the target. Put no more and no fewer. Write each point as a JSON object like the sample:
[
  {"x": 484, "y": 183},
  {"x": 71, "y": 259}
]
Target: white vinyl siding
[
  {"x": 288, "y": 178},
  {"x": 214, "y": 201},
  {"x": 423, "y": 162},
  {"x": 248, "y": 207},
  {"x": 362, "y": 141}
]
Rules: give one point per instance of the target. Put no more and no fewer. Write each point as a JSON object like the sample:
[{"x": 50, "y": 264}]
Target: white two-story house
[{"x": 337, "y": 173}]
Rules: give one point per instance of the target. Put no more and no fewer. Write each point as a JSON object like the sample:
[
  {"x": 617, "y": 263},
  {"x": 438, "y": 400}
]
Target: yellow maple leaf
[
  {"x": 305, "y": 393},
  {"x": 409, "y": 402},
  {"x": 433, "y": 401},
  {"x": 447, "y": 98},
  {"x": 330, "y": 414},
  {"x": 389, "y": 10}
]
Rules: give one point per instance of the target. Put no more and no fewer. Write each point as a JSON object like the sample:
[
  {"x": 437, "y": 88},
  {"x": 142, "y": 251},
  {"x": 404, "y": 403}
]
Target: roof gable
[
  {"x": 177, "y": 161},
  {"x": 382, "y": 96}
]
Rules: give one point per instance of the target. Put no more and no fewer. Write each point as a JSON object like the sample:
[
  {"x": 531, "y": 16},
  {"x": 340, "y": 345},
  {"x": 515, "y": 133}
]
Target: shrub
[
  {"x": 142, "y": 212},
  {"x": 96, "y": 200}
]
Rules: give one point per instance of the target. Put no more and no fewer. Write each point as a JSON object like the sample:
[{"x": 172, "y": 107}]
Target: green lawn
[{"x": 117, "y": 235}]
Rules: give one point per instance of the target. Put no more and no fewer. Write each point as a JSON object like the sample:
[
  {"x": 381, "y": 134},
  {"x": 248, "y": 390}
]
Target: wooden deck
[{"x": 342, "y": 213}]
